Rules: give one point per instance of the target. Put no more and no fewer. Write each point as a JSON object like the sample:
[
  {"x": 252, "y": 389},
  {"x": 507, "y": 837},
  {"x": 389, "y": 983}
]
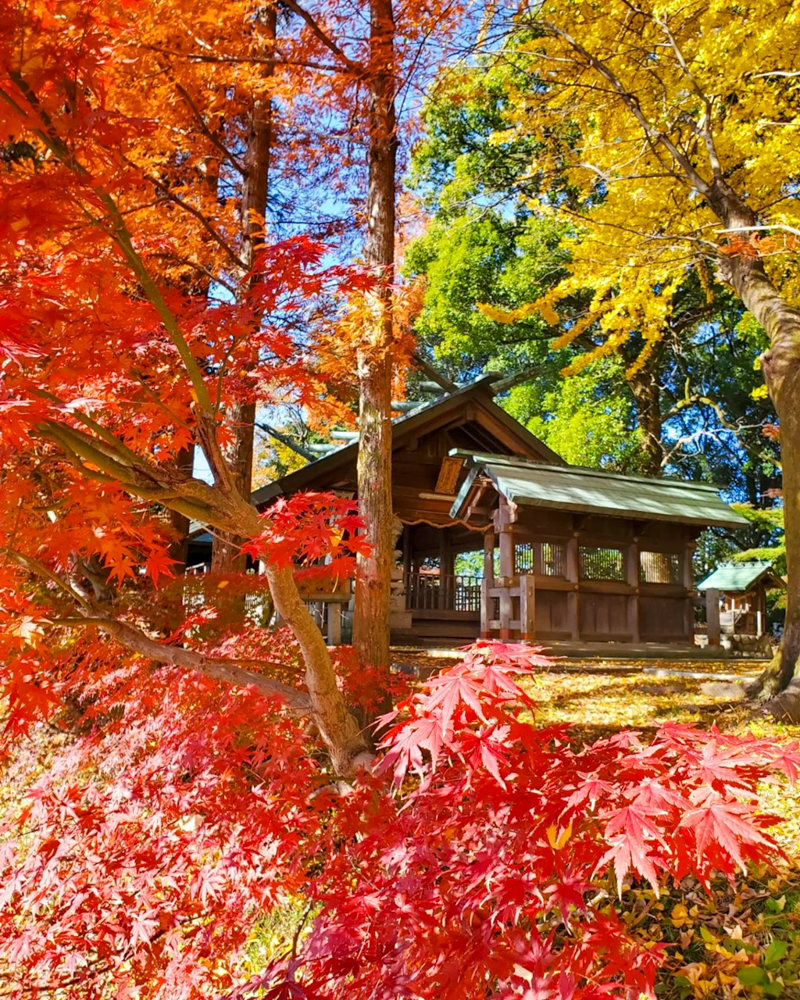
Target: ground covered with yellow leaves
[{"x": 740, "y": 940}]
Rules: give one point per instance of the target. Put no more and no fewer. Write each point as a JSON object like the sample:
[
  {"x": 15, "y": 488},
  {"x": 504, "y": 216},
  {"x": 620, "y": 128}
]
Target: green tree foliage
[
  {"x": 485, "y": 243},
  {"x": 696, "y": 406}
]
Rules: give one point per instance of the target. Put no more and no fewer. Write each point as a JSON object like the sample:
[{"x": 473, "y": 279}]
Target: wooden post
[
  {"x": 507, "y": 556},
  {"x": 488, "y": 556},
  {"x": 506, "y": 570},
  {"x": 688, "y": 582},
  {"x": 487, "y": 602},
  {"x": 573, "y": 597},
  {"x": 334, "y": 613},
  {"x": 712, "y": 617},
  {"x": 446, "y": 589},
  {"x": 527, "y": 607},
  {"x": 632, "y": 579}
]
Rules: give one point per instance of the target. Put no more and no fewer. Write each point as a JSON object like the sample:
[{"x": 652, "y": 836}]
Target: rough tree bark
[
  {"x": 781, "y": 367},
  {"x": 226, "y": 554},
  {"x": 646, "y": 393},
  {"x": 373, "y": 574},
  {"x": 337, "y": 726}
]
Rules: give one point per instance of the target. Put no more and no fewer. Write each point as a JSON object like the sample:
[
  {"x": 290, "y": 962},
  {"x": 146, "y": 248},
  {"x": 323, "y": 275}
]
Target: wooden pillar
[
  {"x": 446, "y": 566},
  {"x": 506, "y": 581},
  {"x": 688, "y": 582},
  {"x": 334, "y": 615},
  {"x": 487, "y": 602},
  {"x": 527, "y": 607},
  {"x": 407, "y": 529},
  {"x": 507, "y": 555},
  {"x": 573, "y": 596},
  {"x": 712, "y": 617},
  {"x": 632, "y": 579}
]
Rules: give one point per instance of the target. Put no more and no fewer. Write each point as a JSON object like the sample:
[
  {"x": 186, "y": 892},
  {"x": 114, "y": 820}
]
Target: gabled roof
[
  {"x": 593, "y": 492},
  {"x": 738, "y": 577},
  {"x": 405, "y": 426}
]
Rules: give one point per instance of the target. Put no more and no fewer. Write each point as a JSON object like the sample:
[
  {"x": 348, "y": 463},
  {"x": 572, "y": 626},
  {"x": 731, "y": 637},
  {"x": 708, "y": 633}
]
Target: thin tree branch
[
  {"x": 207, "y": 131},
  {"x": 323, "y": 37},
  {"x": 216, "y": 668}
]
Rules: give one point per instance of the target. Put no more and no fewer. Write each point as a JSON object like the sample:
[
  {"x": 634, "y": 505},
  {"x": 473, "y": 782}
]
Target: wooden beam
[
  {"x": 487, "y": 602},
  {"x": 334, "y": 614},
  {"x": 446, "y": 595},
  {"x": 688, "y": 583}
]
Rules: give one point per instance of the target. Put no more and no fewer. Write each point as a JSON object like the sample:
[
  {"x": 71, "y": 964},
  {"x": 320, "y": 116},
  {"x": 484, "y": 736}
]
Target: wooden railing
[{"x": 442, "y": 593}]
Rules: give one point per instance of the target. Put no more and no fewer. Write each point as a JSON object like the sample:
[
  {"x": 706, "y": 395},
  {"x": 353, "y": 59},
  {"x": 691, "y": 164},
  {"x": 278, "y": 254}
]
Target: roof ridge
[{"x": 583, "y": 470}]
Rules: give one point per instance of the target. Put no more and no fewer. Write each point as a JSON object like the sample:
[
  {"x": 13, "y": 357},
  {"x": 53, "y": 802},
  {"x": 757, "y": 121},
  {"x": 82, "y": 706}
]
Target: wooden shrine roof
[
  {"x": 570, "y": 488},
  {"x": 739, "y": 577},
  {"x": 424, "y": 419}
]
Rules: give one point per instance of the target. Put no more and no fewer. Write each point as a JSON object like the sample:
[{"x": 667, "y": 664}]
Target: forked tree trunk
[
  {"x": 373, "y": 574},
  {"x": 226, "y": 554}
]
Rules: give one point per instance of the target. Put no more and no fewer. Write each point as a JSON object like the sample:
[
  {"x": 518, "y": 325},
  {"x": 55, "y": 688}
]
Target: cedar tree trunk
[
  {"x": 226, "y": 552},
  {"x": 373, "y": 573}
]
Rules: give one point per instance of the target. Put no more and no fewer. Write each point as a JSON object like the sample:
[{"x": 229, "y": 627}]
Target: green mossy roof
[
  {"x": 736, "y": 576},
  {"x": 593, "y": 492}
]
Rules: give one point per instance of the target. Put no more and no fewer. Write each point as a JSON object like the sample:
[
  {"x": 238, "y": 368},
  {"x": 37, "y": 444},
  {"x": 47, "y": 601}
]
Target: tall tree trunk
[
  {"x": 226, "y": 554},
  {"x": 373, "y": 573},
  {"x": 647, "y": 395},
  {"x": 781, "y": 367}
]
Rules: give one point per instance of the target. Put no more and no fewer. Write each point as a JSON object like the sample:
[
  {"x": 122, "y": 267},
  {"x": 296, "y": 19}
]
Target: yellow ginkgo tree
[{"x": 674, "y": 129}]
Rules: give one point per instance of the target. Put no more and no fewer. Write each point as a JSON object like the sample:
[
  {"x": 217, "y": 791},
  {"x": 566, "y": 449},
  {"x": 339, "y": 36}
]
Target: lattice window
[
  {"x": 601, "y": 564},
  {"x": 554, "y": 559},
  {"x": 659, "y": 567},
  {"x": 523, "y": 558}
]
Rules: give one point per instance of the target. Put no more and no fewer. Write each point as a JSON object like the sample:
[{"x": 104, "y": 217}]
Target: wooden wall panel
[
  {"x": 603, "y": 616},
  {"x": 662, "y": 618},
  {"x": 552, "y": 615}
]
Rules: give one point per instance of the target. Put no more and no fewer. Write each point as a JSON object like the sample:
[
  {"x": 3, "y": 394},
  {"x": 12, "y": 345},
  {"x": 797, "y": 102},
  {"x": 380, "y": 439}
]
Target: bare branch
[
  {"x": 748, "y": 229},
  {"x": 217, "y": 668},
  {"x": 206, "y": 130},
  {"x": 323, "y": 37}
]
